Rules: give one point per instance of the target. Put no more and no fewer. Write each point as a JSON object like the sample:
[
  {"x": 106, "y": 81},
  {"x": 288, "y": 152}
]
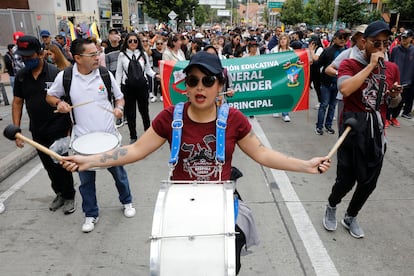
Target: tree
[
  {"x": 326, "y": 11},
  {"x": 310, "y": 14},
  {"x": 159, "y": 9},
  {"x": 351, "y": 12},
  {"x": 404, "y": 7},
  {"x": 292, "y": 12}
]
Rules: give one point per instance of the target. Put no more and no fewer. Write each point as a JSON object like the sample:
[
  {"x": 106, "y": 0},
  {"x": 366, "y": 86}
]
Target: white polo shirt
[{"x": 91, "y": 117}]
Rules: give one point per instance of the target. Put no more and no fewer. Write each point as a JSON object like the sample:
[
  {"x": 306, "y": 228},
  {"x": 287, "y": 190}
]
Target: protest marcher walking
[
  {"x": 46, "y": 126},
  {"x": 87, "y": 84},
  {"x": 367, "y": 87}
]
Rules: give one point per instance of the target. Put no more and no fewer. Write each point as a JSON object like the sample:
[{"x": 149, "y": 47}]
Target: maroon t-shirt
[
  {"x": 366, "y": 96},
  {"x": 198, "y": 144}
]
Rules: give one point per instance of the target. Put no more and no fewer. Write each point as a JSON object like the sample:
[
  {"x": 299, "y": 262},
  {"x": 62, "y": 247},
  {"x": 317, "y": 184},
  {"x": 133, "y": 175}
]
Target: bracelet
[{"x": 120, "y": 107}]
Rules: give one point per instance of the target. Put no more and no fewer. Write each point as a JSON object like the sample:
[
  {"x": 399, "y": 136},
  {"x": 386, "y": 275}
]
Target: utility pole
[{"x": 335, "y": 18}]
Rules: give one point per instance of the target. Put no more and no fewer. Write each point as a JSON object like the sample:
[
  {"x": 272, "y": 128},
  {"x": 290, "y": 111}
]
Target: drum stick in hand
[
  {"x": 350, "y": 124},
  {"x": 76, "y": 105},
  {"x": 13, "y": 132}
]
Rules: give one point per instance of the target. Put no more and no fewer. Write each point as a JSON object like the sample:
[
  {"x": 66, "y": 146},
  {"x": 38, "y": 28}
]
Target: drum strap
[{"x": 177, "y": 126}]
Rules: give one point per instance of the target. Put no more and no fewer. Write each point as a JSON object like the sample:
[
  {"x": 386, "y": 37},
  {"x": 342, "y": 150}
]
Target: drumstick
[
  {"x": 76, "y": 105},
  {"x": 225, "y": 92},
  {"x": 12, "y": 132},
  {"x": 350, "y": 123},
  {"x": 106, "y": 109}
]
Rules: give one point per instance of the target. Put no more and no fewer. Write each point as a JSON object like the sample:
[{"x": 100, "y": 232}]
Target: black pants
[
  {"x": 62, "y": 180},
  {"x": 359, "y": 162},
  {"x": 240, "y": 242},
  {"x": 132, "y": 98}
]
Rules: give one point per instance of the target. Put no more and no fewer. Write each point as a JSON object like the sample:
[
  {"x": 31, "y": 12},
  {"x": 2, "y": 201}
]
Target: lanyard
[{"x": 177, "y": 126}]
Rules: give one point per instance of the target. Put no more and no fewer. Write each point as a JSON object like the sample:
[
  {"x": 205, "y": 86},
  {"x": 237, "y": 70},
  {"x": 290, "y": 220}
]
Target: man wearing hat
[
  {"x": 46, "y": 126},
  {"x": 47, "y": 40},
  {"x": 358, "y": 45},
  {"x": 367, "y": 83},
  {"x": 328, "y": 83},
  {"x": 403, "y": 56}
]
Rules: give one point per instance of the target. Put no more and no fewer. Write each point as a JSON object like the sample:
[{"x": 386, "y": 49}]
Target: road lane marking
[
  {"x": 19, "y": 184},
  {"x": 318, "y": 255}
]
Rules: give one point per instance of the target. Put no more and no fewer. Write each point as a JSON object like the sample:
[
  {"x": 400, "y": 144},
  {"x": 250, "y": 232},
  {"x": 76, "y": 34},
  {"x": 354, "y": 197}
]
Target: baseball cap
[
  {"x": 341, "y": 32},
  {"x": 16, "y": 36},
  {"x": 113, "y": 30},
  {"x": 28, "y": 45},
  {"x": 407, "y": 33},
  {"x": 207, "y": 60},
  {"x": 199, "y": 35},
  {"x": 360, "y": 29},
  {"x": 376, "y": 27},
  {"x": 44, "y": 33}
]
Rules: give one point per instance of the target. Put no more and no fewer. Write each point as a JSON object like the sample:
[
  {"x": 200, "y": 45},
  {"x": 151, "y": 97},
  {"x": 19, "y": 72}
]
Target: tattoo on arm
[
  {"x": 115, "y": 154},
  {"x": 254, "y": 136}
]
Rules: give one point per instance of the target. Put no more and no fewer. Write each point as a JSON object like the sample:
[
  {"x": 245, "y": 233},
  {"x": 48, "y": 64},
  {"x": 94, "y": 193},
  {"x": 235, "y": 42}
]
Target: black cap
[
  {"x": 341, "y": 32},
  {"x": 113, "y": 30},
  {"x": 375, "y": 28},
  {"x": 207, "y": 60},
  {"x": 28, "y": 45},
  {"x": 407, "y": 33}
]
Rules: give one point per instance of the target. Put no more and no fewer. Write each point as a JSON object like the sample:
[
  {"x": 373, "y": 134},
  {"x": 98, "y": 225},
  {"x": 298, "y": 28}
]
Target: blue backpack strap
[
  {"x": 177, "y": 126},
  {"x": 221, "y": 125}
]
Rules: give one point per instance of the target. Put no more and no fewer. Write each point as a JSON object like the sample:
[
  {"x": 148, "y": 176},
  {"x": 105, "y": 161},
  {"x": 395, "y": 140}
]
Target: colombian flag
[
  {"x": 93, "y": 30},
  {"x": 72, "y": 31}
]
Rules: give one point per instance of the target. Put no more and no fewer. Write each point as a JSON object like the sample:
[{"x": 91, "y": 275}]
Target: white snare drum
[
  {"x": 193, "y": 230},
  {"x": 95, "y": 142}
]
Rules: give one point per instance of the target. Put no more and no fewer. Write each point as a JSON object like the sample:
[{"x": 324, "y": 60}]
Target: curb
[{"x": 13, "y": 161}]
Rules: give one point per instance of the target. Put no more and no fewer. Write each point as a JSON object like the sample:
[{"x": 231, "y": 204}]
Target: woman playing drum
[{"x": 204, "y": 81}]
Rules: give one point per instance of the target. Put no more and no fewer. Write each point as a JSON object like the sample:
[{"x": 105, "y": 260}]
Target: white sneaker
[
  {"x": 89, "y": 224},
  {"x": 276, "y": 115},
  {"x": 286, "y": 118},
  {"x": 153, "y": 99},
  {"x": 129, "y": 211},
  {"x": 161, "y": 99},
  {"x": 2, "y": 207}
]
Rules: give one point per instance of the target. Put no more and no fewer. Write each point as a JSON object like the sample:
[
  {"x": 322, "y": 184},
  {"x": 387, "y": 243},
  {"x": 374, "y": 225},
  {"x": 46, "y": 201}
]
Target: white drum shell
[
  {"x": 95, "y": 142},
  {"x": 193, "y": 230}
]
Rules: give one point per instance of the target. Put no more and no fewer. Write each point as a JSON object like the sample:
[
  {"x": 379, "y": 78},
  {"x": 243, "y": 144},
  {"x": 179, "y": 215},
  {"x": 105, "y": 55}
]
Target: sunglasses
[
  {"x": 159, "y": 43},
  {"x": 144, "y": 40},
  {"x": 207, "y": 81},
  {"x": 94, "y": 54},
  {"x": 342, "y": 37},
  {"x": 133, "y": 41},
  {"x": 378, "y": 43}
]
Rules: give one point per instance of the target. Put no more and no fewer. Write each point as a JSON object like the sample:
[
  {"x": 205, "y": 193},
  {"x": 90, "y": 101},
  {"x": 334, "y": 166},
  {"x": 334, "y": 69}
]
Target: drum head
[{"x": 95, "y": 142}]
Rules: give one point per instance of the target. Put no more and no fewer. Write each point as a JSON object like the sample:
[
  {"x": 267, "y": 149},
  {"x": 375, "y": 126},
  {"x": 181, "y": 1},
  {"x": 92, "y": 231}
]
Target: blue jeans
[
  {"x": 87, "y": 189},
  {"x": 328, "y": 100}
]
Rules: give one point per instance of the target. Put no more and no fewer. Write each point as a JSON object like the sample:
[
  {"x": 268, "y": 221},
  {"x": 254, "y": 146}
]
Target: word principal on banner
[{"x": 263, "y": 84}]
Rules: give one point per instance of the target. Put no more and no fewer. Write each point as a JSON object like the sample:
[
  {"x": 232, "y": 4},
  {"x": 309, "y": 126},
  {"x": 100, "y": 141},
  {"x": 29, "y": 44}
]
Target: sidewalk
[{"x": 11, "y": 157}]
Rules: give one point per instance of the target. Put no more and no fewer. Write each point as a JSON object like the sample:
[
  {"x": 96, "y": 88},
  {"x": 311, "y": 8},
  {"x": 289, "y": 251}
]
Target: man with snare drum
[{"x": 92, "y": 113}]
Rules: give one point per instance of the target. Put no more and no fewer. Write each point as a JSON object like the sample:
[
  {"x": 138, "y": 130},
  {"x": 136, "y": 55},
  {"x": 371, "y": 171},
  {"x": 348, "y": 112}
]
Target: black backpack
[
  {"x": 135, "y": 75},
  {"x": 67, "y": 82}
]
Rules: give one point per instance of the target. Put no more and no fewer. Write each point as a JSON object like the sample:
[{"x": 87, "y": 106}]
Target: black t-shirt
[
  {"x": 43, "y": 121},
  {"x": 156, "y": 56}
]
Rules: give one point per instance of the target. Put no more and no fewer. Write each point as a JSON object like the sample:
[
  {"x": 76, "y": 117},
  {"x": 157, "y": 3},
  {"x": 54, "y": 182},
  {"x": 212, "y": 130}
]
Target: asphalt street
[{"x": 288, "y": 209}]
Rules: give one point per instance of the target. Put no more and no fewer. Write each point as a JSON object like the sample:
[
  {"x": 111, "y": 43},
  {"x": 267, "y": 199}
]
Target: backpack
[
  {"x": 67, "y": 81},
  {"x": 135, "y": 75}
]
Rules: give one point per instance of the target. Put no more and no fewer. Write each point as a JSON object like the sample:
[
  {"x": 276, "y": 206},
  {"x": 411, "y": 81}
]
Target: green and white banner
[{"x": 263, "y": 84}]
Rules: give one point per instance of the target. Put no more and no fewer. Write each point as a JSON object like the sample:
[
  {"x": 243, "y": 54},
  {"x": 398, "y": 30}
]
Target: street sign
[
  {"x": 273, "y": 5},
  {"x": 172, "y": 15}
]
